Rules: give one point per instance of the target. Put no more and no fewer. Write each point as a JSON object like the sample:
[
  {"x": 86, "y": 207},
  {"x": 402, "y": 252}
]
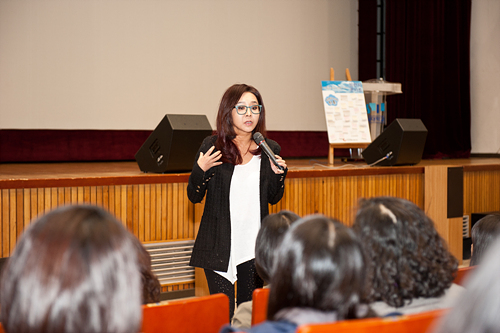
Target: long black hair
[
  {"x": 270, "y": 235},
  {"x": 320, "y": 265}
]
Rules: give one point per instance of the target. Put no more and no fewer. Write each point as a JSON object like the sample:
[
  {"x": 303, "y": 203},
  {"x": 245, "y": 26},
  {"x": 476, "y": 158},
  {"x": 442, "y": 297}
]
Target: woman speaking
[{"x": 239, "y": 182}]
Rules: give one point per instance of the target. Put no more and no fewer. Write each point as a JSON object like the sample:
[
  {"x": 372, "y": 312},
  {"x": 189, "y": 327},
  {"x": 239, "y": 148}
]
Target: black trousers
[{"x": 248, "y": 280}]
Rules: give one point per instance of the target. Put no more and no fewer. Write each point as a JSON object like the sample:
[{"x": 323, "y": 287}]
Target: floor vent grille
[{"x": 170, "y": 261}]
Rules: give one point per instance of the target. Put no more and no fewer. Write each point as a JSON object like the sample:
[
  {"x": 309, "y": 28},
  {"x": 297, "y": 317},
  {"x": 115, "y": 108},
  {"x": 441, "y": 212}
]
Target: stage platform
[{"x": 156, "y": 209}]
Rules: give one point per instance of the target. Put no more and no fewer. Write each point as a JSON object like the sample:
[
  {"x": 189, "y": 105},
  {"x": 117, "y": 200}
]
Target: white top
[{"x": 244, "y": 209}]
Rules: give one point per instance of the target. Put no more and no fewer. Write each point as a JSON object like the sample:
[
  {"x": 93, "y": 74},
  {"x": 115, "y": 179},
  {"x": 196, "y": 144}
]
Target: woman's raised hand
[
  {"x": 209, "y": 160},
  {"x": 280, "y": 162}
]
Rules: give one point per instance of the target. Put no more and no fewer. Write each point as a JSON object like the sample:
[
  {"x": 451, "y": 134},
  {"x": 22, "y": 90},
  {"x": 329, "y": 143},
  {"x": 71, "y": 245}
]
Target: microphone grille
[{"x": 258, "y": 138}]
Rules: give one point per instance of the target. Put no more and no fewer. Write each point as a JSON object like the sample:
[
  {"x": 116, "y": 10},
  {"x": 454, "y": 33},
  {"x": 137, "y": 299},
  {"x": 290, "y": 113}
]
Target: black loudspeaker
[
  {"x": 173, "y": 144},
  {"x": 403, "y": 140}
]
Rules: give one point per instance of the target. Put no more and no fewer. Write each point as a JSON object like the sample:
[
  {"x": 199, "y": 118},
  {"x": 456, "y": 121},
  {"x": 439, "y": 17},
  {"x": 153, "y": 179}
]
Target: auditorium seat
[
  {"x": 260, "y": 298},
  {"x": 462, "y": 273},
  {"x": 199, "y": 314},
  {"x": 416, "y": 323}
]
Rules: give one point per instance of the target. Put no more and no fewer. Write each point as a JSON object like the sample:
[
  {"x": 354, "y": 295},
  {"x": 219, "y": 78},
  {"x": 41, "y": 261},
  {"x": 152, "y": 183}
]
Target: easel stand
[{"x": 331, "y": 149}]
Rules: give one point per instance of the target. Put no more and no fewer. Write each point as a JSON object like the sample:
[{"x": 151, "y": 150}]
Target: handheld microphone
[{"x": 260, "y": 141}]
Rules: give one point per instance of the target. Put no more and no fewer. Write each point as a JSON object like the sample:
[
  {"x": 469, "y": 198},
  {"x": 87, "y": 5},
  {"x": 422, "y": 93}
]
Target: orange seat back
[
  {"x": 205, "y": 314},
  {"x": 462, "y": 274},
  {"x": 260, "y": 298},
  {"x": 416, "y": 323}
]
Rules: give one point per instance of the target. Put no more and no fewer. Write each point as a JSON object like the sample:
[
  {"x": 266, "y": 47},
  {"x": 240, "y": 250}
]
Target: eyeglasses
[{"x": 243, "y": 109}]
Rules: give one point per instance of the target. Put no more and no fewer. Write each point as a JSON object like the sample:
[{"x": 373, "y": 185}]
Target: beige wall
[
  {"x": 485, "y": 76},
  {"x": 109, "y": 64}
]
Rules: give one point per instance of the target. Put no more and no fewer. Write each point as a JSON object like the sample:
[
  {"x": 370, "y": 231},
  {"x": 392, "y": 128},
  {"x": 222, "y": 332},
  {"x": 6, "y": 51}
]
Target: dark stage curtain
[{"x": 427, "y": 50}]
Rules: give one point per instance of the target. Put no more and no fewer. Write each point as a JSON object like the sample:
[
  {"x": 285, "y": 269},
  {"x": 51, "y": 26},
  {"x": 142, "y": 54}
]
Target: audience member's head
[
  {"x": 477, "y": 309},
  {"x": 320, "y": 265},
  {"x": 270, "y": 235},
  {"x": 74, "y": 270},
  {"x": 408, "y": 257},
  {"x": 151, "y": 288},
  {"x": 483, "y": 233}
]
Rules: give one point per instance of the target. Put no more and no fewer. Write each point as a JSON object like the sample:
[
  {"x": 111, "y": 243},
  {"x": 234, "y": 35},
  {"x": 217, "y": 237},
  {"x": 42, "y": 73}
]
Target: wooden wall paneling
[
  {"x": 140, "y": 211},
  {"x": 170, "y": 213},
  {"x": 185, "y": 210},
  {"x": 160, "y": 208},
  {"x": 177, "y": 229},
  {"x": 348, "y": 200},
  {"x": 191, "y": 215},
  {"x": 319, "y": 208},
  {"x": 150, "y": 211},
  {"x": 54, "y": 198},
  {"x": 105, "y": 197},
  {"x": 80, "y": 198},
  {"x": 353, "y": 200},
  {"x": 99, "y": 196},
  {"x": 93, "y": 195},
  {"x": 294, "y": 193},
  {"x": 319, "y": 187},
  {"x": 66, "y": 195},
  {"x": 288, "y": 202},
  {"x": 26, "y": 197},
  {"x": 86, "y": 195},
  {"x": 5, "y": 223},
  {"x": 12, "y": 220},
  {"x": 111, "y": 199},
  {"x": 19, "y": 212},
  {"x": 178, "y": 209},
  {"x": 309, "y": 197},
  {"x": 164, "y": 211},
  {"x": 132, "y": 198},
  {"x": 61, "y": 196},
  {"x": 330, "y": 199},
  {"x": 41, "y": 201},
  {"x": 435, "y": 202},
  {"x": 47, "y": 200},
  {"x": 469, "y": 200},
  {"x": 481, "y": 191},
  {"x": 33, "y": 204},
  {"x": 123, "y": 203},
  {"x": 114, "y": 200}
]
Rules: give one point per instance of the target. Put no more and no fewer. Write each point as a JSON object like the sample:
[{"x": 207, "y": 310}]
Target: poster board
[{"x": 345, "y": 113}]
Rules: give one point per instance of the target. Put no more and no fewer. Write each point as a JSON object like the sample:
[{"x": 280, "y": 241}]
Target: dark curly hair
[{"x": 408, "y": 257}]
